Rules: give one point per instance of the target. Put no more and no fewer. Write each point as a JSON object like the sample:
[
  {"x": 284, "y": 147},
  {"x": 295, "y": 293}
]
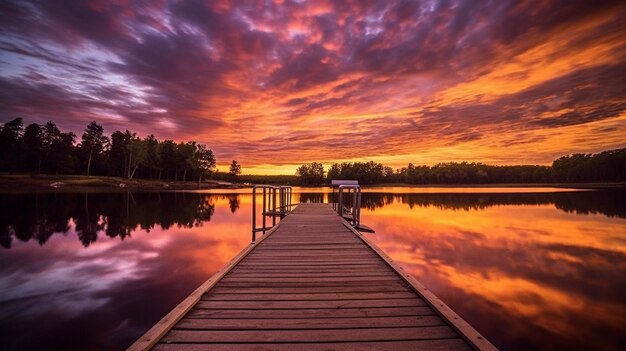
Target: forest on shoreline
[
  {"x": 603, "y": 167},
  {"x": 45, "y": 150}
]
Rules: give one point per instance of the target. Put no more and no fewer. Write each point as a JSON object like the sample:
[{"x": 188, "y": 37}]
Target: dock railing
[
  {"x": 346, "y": 199},
  {"x": 349, "y": 203},
  {"x": 276, "y": 202}
]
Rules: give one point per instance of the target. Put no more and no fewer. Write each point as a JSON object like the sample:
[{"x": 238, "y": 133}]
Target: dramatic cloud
[{"x": 277, "y": 83}]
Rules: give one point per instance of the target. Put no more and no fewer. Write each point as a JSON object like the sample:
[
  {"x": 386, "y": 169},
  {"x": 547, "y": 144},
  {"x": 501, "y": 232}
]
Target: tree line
[
  {"x": 606, "y": 166},
  {"x": 46, "y": 149}
]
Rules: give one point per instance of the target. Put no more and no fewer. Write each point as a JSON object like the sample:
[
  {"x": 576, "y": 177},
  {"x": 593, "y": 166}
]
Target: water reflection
[
  {"x": 609, "y": 203},
  {"x": 530, "y": 271},
  {"x": 233, "y": 202},
  {"x": 39, "y": 216},
  {"x": 94, "y": 271},
  {"x": 540, "y": 270}
]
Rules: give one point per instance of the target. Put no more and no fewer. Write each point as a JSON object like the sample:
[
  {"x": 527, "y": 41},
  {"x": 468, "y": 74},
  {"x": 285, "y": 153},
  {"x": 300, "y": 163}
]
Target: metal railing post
[
  {"x": 253, "y": 214},
  {"x": 283, "y": 200},
  {"x": 264, "y": 208},
  {"x": 358, "y": 209},
  {"x": 353, "y": 208},
  {"x": 273, "y": 206},
  {"x": 340, "y": 202}
]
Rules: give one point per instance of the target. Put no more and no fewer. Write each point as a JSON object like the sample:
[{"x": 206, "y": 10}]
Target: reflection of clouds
[
  {"x": 528, "y": 266},
  {"x": 68, "y": 279},
  {"x": 71, "y": 301},
  {"x": 113, "y": 290}
]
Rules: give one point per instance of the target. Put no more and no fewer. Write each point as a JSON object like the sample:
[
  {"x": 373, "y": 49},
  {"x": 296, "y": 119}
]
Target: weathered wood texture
[{"x": 314, "y": 284}]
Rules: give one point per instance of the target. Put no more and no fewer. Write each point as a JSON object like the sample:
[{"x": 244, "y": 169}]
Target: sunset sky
[{"x": 274, "y": 84}]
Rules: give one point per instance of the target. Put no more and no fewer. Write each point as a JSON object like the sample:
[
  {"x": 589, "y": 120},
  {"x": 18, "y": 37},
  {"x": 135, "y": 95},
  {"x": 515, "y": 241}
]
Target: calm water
[{"x": 533, "y": 269}]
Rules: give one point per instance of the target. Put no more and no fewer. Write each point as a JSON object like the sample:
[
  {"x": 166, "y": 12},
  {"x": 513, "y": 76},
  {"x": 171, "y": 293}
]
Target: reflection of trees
[
  {"x": 38, "y": 216},
  {"x": 371, "y": 201},
  {"x": 26, "y": 217},
  {"x": 607, "y": 202},
  {"x": 233, "y": 202}
]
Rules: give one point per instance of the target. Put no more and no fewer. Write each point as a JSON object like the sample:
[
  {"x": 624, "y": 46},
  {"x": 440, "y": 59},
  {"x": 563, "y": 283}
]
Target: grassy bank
[{"x": 29, "y": 182}]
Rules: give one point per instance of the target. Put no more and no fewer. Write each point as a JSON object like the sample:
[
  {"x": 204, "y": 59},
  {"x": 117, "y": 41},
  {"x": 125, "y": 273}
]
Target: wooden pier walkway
[{"x": 312, "y": 283}]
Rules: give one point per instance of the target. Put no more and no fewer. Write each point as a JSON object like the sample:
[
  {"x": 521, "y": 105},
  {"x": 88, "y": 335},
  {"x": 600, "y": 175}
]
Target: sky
[{"x": 274, "y": 84}]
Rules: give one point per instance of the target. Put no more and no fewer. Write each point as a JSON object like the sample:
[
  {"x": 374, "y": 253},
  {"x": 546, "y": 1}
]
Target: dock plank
[
  {"x": 314, "y": 290},
  {"x": 404, "y": 345},
  {"x": 312, "y": 335},
  {"x": 236, "y": 296},
  {"x": 312, "y": 323},
  {"x": 314, "y": 313},
  {"x": 294, "y": 304}
]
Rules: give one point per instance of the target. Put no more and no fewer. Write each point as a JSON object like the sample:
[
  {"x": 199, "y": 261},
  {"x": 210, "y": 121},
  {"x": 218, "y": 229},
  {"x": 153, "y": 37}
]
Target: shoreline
[{"x": 19, "y": 182}]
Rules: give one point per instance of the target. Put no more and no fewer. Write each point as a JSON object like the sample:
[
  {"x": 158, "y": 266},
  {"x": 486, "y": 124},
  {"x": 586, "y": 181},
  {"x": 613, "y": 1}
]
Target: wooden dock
[{"x": 312, "y": 283}]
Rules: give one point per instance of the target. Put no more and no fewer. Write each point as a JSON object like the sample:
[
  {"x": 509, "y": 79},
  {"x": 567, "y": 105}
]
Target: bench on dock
[{"x": 312, "y": 282}]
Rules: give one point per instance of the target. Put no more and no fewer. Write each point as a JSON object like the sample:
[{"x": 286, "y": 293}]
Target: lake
[{"x": 530, "y": 268}]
